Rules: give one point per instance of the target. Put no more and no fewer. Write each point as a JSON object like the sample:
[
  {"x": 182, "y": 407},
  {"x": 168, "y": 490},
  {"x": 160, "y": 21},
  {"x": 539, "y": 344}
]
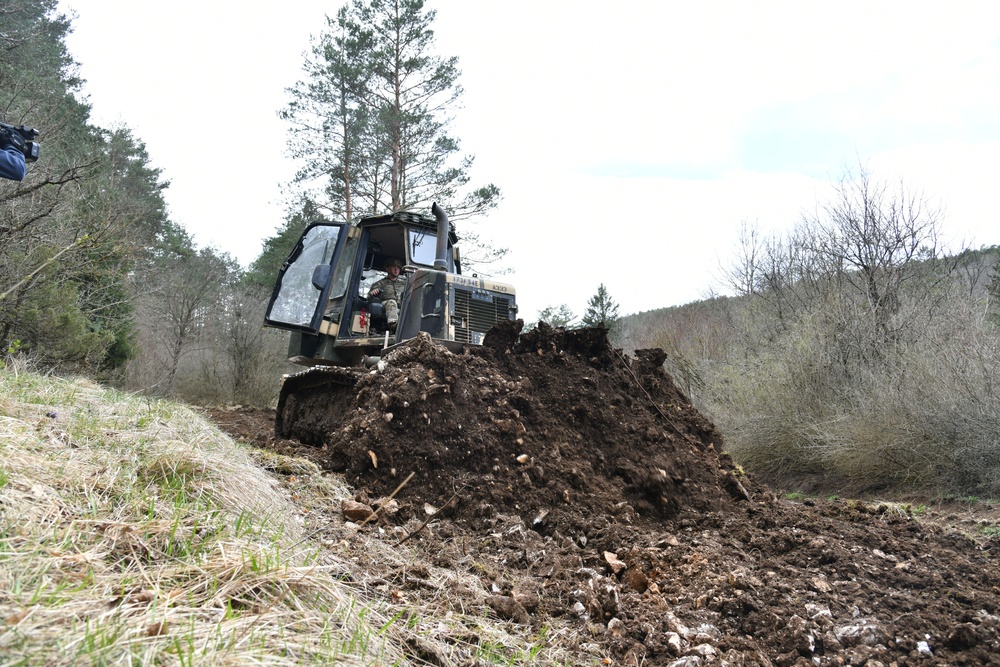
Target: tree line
[
  {"x": 856, "y": 352},
  {"x": 601, "y": 311}
]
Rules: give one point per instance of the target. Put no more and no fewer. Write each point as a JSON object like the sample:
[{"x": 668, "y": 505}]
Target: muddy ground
[{"x": 582, "y": 488}]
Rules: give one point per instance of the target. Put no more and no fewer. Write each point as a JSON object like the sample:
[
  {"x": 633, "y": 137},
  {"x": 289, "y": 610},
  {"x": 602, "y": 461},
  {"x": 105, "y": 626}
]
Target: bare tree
[
  {"x": 864, "y": 349},
  {"x": 878, "y": 245},
  {"x": 870, "y": 261},
  {"x": 254, "y": 366},
  {"x": 180, "y": 305}
]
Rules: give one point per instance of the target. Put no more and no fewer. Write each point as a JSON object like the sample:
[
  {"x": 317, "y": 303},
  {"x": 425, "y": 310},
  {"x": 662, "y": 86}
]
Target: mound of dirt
[
  {"x": 585, "y": 489},
  {"x": 554, "y": 427}
]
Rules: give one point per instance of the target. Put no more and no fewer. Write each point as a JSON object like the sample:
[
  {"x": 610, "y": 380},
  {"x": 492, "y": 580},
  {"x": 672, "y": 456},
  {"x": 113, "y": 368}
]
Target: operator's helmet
[{"x": 392, "y": 261}]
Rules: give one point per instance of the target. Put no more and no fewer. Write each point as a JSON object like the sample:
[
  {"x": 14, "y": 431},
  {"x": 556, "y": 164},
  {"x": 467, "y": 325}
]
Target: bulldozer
[{"x": 321, "y": 297}]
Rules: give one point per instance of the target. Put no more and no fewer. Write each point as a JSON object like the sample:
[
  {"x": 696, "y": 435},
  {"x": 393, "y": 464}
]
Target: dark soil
[{"x": 582, "y": 487}]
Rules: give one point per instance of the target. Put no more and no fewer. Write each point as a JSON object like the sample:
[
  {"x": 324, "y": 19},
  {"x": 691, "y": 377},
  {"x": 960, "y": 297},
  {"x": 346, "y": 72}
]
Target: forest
[{"x": 96, "y": 277}]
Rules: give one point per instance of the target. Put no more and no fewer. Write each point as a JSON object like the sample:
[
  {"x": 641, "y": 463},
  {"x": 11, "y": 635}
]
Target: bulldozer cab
[{"x": 321, "y": 291}]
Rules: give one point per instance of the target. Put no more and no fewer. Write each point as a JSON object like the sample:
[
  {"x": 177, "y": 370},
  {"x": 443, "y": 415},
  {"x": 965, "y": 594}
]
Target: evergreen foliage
[
  {"x": 94, "y": 276},
  {"x": 73, "y": 230},
  {"x": 370, "y": 120},
  {"x": 370, "y": 123},
  {"x": 556, "y": 316},
  {"x": 602, "y": 310}
]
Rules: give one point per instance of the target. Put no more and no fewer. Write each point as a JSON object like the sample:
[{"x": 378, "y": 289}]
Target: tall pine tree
[
  {"x": 601, "y": 310},
  {"x": 370, "y": 120},
  {"x": 72, "y": 232}
]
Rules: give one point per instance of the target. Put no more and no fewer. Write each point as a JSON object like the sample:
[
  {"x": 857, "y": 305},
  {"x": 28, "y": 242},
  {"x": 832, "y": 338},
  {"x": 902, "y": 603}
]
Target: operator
[
  {"x": 390, "y": 290},
  {"x": 12, "y": 165}
]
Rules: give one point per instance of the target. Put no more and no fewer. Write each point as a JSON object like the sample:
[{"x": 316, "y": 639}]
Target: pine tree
[
  {"x": 330, "y": 124},
  {"x": 556, "y": 316},
  {"x": 85, "y": 216},
  {"x": 370, "y": 120},
  {"x": 601, "y": 310}
]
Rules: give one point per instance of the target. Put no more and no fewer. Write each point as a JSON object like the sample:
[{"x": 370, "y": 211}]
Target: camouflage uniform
[{"x": 390, "y": 295}]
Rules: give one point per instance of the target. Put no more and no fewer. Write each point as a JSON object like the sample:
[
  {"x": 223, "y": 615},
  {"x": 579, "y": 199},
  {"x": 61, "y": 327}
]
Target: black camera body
[{"x": 29, "y": 147}]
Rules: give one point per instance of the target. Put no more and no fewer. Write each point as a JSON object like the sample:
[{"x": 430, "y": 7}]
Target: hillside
[
  {"x": 836, "y": 381},
  {"x": 567, "y": 505},
  {"x": 132, "y": 531}
]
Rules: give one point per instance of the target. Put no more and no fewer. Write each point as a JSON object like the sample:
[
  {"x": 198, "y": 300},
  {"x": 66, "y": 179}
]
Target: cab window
[
  {"x": 342, "y": 272},
  {"x": 423, "y": 246},
  {"x": 297, "y": 297}
]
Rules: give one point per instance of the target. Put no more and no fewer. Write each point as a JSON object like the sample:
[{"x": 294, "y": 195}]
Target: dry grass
[
  {"x": 133, "y": 532},
  {"x": 922, "y": 415}
]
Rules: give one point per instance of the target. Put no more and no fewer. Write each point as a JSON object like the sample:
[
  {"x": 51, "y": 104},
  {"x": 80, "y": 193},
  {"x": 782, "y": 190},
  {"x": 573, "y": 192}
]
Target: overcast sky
[{"x": 630, "y": 139}]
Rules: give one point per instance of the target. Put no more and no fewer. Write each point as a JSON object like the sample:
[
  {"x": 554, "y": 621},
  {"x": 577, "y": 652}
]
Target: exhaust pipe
[{"x": 443, "y": 229}]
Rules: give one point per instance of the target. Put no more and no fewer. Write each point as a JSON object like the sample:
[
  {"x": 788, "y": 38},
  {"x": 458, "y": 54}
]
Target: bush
[{"x": 927, "y": 414}]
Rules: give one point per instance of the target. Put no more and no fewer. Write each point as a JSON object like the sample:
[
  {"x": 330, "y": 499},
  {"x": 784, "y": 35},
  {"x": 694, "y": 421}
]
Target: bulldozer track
[{"x": 301, "y": 392}]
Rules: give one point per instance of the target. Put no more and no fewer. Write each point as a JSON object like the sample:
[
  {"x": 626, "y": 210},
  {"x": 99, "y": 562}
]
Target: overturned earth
[{"x": 584, "y": 490}]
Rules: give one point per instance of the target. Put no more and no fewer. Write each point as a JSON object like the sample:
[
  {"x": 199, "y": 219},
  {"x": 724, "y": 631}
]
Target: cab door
[{"x": 303, "y": 284}]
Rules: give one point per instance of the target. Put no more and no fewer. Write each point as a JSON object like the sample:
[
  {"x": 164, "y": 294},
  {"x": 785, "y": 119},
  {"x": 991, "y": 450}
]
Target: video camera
[{"x": 27, "y": 145}]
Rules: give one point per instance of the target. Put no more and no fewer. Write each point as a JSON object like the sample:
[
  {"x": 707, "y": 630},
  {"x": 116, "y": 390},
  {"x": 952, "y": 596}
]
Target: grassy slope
[{"x": 133, "y": 532}]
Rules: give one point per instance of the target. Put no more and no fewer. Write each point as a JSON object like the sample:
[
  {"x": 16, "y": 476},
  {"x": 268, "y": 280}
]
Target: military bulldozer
[{"x": 321, "y": 297}]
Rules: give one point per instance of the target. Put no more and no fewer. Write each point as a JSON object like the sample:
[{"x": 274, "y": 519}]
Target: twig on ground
[
  {"x": 371, "y": 516},
  {"x": 392, "y": 495},
  {"x": 426, "y": 521}
]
